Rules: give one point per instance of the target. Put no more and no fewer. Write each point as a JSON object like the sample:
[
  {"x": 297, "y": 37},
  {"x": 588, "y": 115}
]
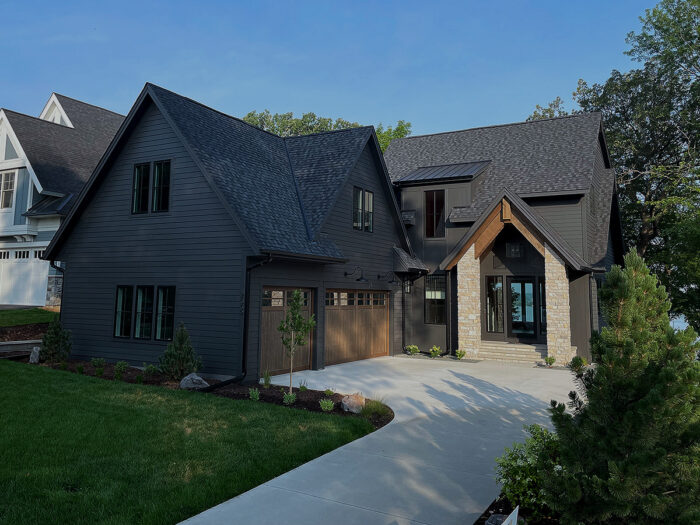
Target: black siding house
[{"x": 197, "y": 217}]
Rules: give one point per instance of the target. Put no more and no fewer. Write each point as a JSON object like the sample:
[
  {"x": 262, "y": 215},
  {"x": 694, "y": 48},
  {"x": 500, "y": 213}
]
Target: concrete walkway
[{"x": 434, "y": 464}]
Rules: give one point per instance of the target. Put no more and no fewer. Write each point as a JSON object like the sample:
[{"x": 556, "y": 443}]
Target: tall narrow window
[
  {"x": 357, "y": 208},
  {"x": 435, "y": 214},
  {"x": 494, "y": 304},
  {"x": 543, "y": 306},
  {"x": 144, "y": 312},
  {"x": 369, "y": 211},
  {"x": 122, "y": 311},
  {"x": 166, "y": 313},
  {"x": 8, "y": 189},
  {"x": 435, "y": 286},
  {"x": 139, "y": 200},
  {"x": 161, "y": 186}
]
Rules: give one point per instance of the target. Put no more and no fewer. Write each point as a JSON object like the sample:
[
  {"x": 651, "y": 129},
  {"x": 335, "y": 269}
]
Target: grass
[
  {"x": 374, "y": 407},
  {"x": 77, "y": 449},
  {"x": 25, "y": 316}
]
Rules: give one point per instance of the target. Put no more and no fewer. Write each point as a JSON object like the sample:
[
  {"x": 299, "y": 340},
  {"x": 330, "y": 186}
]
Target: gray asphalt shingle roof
[
  {"x": 537, "y": 157},
  {"x": 63, "y": 158}
]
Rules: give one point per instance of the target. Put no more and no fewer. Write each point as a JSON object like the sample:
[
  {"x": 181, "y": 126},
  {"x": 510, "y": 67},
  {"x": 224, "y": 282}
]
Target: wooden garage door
[
  {"x": 273, "y": 357},
  {"x": 357, "y": 325}
]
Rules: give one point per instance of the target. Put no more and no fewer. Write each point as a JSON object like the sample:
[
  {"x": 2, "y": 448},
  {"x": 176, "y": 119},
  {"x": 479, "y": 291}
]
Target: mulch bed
[
  {"x": 27, "y": 332},
  {"x": 501, "y": 506},
  {"x": 306, "y": 399}
]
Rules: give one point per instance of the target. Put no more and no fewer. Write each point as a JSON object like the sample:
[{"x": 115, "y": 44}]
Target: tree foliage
[
  {"x": 294, "y": 330},
  {"x": 179, "y": 358},
  {"x": 554, "y": 109},
  {"x": 287, "y": 125},
  {"x": 56, "y": 343},
  {"x": 630, "y": 444}
]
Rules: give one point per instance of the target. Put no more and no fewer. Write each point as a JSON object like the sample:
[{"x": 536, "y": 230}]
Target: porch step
[{"x": 512, "y": 352}]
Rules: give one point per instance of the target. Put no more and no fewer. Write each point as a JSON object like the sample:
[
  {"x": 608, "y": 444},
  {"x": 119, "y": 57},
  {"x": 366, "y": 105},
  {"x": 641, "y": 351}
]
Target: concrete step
[{"x": 512, "y": 352}]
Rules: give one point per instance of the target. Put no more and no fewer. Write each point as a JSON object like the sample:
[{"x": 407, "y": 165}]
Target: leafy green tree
[
  {"x": 287, "y": 125},
  {"x": 294, "y": 330},
  {"x": 554, "y": 109},
  {"x": 179, "y": 358},
  {"x": 631, "y": 441}
]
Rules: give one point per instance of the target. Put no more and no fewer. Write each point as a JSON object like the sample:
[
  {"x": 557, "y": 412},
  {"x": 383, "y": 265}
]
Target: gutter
[{"x": 246, "y": 312}]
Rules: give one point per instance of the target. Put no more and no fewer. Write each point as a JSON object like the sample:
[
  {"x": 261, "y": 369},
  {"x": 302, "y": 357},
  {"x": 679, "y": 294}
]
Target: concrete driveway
[{"x": 434, "y": 464}]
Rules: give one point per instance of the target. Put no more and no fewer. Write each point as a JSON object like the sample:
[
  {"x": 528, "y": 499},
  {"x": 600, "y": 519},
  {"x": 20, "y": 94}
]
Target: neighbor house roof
[
  {"x": 63, "y": 157},
  {"x": 279, "y": 190},
  {"x": 536, "y": 158}
]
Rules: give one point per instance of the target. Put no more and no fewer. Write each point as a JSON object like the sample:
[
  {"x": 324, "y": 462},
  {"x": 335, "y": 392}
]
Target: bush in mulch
[
  {"x": 27, "y": 332},
  {"x": 130, "y": 375}
]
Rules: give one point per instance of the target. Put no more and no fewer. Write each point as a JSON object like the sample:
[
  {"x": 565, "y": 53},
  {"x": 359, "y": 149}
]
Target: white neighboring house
[{"x": 44, "y": 163}]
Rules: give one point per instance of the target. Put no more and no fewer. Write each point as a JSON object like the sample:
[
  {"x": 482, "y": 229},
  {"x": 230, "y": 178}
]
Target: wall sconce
[
  {"x": 393, "y": 281},
  {"x": 361, "y": 278}
]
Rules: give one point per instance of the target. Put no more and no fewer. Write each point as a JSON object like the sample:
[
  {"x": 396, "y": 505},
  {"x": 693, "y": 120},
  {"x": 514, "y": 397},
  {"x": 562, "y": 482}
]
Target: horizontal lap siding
[
  {"x": 196, "y": 247},
  {"x": 371, "y": 251},
  {"x": 565, "y": 216}
]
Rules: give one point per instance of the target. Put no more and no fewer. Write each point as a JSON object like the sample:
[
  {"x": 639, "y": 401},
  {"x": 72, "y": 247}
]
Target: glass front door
[{"x": 521, "y": 308}]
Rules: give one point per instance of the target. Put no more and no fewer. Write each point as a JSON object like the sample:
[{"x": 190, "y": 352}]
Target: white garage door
[{"x": 23, "y": 281}]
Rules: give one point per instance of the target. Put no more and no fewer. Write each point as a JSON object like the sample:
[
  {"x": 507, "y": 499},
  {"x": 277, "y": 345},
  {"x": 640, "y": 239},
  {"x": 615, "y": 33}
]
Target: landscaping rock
[
  {"x": 193, "y": 382},
  {"x": 353, "y": 403},
  {"x": 498, "y": 519},
  {"x": 35, "y": 355}
]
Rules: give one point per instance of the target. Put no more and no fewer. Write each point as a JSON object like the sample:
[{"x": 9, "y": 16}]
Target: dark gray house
[
  {"x": 517, "y": 224},
  {"x": 490, "y": 240},
  {"x": 194, "y": 216}
]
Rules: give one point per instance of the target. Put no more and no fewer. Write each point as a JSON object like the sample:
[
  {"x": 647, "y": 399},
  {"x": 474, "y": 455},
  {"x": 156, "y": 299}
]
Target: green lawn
[
  {"x": 77, "y": 449},
  {"x": 26, "y": 316}
]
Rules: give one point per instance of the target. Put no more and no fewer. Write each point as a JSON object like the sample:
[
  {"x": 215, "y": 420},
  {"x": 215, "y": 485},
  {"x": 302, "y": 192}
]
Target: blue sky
[{"x": 439, "y": 65}]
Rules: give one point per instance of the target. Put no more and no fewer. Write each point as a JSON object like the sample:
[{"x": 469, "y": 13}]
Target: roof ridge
[
  {"x": 88, "y": 104},
  {"x": 214, "y": 110},
  {"x": 524, "y": 122},
  {"x": 324, "y": 132},
  {"x": 62, "y": 126}
]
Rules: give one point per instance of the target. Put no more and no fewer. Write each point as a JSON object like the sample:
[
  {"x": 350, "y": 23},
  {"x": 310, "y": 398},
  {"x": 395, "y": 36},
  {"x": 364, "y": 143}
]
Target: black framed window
[
  {"x": 369, "y": 211},
  {"x": 123, "y": 310},
  {"x": 165, "y": 316},
  {"x": 161, "y": 186},
  {"x": 357, "y": 199},
  {"x": 494, "y": 304},
  {"x": 139, "y": 196},
  {"x": 435, "y": 214},
  {"x": 435, "y": 293},
  {"x": 514, "y": 250},
  {"x": 543, "y": 305},
  {"x": 144, "y": 312}
]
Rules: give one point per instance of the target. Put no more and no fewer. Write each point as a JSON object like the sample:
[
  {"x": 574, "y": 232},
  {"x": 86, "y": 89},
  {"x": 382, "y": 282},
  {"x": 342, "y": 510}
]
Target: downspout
[{"x": 246, "y": 302}]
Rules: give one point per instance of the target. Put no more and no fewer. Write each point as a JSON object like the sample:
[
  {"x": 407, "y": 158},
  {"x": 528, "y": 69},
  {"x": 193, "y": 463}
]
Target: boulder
[
  {"x": 35, "y": 355},
  {"x": 353, "y": 403},
  {"x": 193, "y": 382}
]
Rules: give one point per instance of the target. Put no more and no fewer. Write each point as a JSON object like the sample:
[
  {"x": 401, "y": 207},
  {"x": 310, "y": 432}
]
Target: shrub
[
  {"x": 56, "y": 343},
  {"x": 524, "y": 468},
  {"x": 99, "y": 364},
  {"x": 435, "y": 351},
  {"x": 64, "y": 365},
  {"x": 629, "y": 435},
  {"x": 139, "y": 379},
  {"x": 550, "y": 360},
  {"x": 374, "y": 408},
  {"x": 179, "y": 358},
  {"x": 267, "y": 381},
  {"x": 328, "y": 392},
  {"x": 461, "y": 354},
  {"x": 149, "y": 370},
  {"x": 289, "y": 399},
  {"x": 119, "y": 369},
  {"x": 254, "y": 394},
  {"x": 412, "y": 349},
  {"x": 303, "y": 386},
  {"x": 80, "y": 369},
  {"x": 578, "y": 365},
  {"x": 326, "y": 404}
]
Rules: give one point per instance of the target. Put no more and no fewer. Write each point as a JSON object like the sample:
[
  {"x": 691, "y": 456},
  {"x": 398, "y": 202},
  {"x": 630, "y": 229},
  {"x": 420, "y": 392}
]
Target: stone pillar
[
  {"x": 469, "y": 303},
  {"x": 558, "y": 310}
]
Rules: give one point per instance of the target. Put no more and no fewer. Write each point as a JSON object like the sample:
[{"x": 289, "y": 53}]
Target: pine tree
[
  {"x": 630, "y": 447},
  {"x": 56, "y": 343},
  {"x": 179, "y": 358}
]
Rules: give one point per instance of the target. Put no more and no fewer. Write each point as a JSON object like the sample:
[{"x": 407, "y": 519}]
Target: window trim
[
  {"x": 14, "y": 173},
  {"x": 501, "y": 278},
  {"x": 359, "y": 225},
  {"x": 158, "y": 312},
  {"x": 431, "y": 277},
  {"x": 133, "y": 189},
  {"x": 432, "y": 218},
  {"x": 136, "y": 312},
  {"x": 131, "y": 311},
  {"x": 152, "y": 185}
]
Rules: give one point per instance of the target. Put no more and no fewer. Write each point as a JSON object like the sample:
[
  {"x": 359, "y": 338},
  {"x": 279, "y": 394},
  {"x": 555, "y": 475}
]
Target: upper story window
[
  {"x": 514, "y": 250},
  {"x": 362, "y": 209},
  {"x": 154, "y": 190},
  {"x": 139, "y": 199},
  {"x": 8, "y": 189},
  {"x": 435, "y": 214}
]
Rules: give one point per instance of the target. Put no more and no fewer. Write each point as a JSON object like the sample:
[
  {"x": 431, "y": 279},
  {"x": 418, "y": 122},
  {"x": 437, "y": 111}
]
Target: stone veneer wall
[
  {"x": 558, "y": 309},
  {"x": 469, "y": 303}
]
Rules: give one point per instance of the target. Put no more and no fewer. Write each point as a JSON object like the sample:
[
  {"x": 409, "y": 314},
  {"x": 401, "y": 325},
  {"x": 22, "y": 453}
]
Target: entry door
[{"x": 522, "y": 324}]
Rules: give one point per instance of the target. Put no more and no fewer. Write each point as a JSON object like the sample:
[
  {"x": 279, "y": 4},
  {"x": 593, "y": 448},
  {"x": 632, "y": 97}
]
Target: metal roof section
[{"x": 464, "y": 171}]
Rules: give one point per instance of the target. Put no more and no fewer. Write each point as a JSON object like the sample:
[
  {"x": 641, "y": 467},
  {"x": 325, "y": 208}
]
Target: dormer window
[
  {"x": 7, "y": 189},
  {"x": 154, "y": 190}
]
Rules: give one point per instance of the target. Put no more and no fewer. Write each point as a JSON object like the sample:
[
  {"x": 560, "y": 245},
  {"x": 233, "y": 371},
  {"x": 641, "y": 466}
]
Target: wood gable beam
[{"x": 495, "y": 214}]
